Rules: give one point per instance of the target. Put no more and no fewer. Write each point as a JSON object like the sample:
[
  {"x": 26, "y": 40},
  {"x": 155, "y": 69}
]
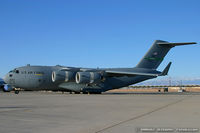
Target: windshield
[
  {"x": 14, "y": 71},
  {"x": 11, "y": 71}
]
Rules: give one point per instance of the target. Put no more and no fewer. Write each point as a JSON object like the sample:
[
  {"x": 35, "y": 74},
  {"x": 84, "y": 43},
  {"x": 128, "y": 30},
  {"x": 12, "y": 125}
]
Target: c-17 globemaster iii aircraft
[{"x": 90, "y": 80}]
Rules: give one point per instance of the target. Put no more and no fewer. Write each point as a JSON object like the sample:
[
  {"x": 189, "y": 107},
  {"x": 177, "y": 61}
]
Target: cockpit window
[
  {"x": 14, "y": 71},
  {"x": 10, "y": 71},
  {"x": 17, "y": 71}
]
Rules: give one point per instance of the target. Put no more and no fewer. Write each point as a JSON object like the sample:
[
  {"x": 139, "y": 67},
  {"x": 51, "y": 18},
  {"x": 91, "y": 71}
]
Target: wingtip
[{"x": 166, "y": 70}]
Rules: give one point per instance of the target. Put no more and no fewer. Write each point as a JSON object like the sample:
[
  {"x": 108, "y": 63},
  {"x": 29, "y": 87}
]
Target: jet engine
[
  {"x": 7, "y": 88},
  {"x": 88, "y": 77},
  {"x": 63, "y": 76}
]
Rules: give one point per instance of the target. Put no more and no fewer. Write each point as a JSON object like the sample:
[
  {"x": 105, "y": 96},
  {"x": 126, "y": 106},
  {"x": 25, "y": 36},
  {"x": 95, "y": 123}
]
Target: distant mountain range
[{"x": 172, "y": 81}]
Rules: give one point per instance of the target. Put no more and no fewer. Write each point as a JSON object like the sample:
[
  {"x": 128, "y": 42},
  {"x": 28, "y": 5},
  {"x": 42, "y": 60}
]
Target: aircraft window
[
  {"x": 10, "y": 75},
  {"x": 30, "y": 72},
  {"x": 17, "y": 71},
  {"x": 23, "y": 72}
]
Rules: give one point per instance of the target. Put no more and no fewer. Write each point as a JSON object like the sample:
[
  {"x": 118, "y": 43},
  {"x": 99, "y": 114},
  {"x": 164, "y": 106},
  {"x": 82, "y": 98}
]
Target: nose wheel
[{"x": 16, "y": 91}]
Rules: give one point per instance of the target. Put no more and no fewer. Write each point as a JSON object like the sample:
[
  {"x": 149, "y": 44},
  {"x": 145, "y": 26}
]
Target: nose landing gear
[{"x": 16, "y": 91}]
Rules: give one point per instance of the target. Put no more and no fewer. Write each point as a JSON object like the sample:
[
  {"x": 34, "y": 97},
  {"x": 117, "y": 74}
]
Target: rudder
[{"x": 157, "y": 53}]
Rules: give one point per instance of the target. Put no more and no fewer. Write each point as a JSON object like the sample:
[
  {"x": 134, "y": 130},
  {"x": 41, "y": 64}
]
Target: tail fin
[{"x": 156, "y": 54}]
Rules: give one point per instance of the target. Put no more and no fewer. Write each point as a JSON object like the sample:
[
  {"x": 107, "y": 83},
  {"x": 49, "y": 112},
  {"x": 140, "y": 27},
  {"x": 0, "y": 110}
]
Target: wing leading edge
[
  {"x": 132, "y": 73},
  {"x": 127, "y": 73}
]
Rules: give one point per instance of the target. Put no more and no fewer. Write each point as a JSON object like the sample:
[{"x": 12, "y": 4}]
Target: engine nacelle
[
  {"x": 63, "y": 76},
  {"x": 7, "y": 88},
  {"x": 88, "y": 77}
]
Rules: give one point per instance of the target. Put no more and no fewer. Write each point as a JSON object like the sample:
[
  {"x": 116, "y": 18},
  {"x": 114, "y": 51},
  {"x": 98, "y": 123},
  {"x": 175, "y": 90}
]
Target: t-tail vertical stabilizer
[{"x": 157, "y": 52}]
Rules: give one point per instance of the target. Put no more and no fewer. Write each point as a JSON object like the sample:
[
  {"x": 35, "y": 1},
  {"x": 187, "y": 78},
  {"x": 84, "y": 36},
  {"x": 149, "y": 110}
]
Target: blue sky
[{"x": 98, "y": 33}]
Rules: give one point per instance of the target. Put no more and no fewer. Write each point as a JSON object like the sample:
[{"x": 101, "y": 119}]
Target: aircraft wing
[
  {"x": 112, "y": 72},
  {"x": 131, "y": 73},
  {"x": 119, "y": 73},
  {"x": 78, "y": 69},
  {"x": 127, "y": 73},
  {"x": 70, "y": 69}
]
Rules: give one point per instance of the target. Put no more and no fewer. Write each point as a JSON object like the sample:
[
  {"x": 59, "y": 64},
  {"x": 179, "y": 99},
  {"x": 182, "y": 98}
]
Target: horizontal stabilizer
[
  {"x": 156, "y": 54},
  {"x": 176, "y": 44},
  {"x": 166, "y": 70}
]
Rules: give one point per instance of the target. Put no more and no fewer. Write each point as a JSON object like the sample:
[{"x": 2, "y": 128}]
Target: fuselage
[{"x": 40, "y": 78}]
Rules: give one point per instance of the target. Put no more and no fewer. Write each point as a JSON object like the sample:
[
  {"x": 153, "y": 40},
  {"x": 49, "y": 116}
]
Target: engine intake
[
  {"x": 63, "y": 76},
  {"x": 88, "y": 77}
]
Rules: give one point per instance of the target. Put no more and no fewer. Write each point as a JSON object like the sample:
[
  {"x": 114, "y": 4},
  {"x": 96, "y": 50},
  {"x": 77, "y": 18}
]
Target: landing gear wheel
[
  {"x": 16, "y": 91},
  {"x": 86, "y": 93}
]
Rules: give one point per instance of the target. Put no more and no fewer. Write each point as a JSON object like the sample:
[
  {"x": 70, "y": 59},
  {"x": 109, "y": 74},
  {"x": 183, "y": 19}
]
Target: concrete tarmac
[{"x": 39, "y": 112}]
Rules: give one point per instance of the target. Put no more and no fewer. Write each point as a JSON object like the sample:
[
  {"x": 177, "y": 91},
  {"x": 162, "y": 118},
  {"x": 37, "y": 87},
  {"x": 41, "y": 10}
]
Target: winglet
[{"x": 166, "y": 70}]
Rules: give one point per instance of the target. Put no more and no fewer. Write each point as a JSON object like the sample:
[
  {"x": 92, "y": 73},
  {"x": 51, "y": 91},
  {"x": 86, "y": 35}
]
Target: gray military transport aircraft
[{"x": 90, "y": 80}]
